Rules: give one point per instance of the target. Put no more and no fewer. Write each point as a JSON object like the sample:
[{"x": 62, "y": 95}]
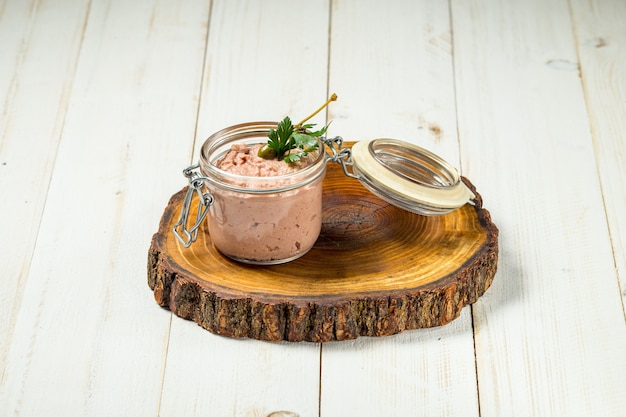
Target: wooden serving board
[{"x": 375, "y": 270}]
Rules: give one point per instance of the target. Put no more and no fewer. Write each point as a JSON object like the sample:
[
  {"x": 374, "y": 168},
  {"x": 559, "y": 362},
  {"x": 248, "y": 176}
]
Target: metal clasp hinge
[
  {"x": 187, "y": 236},
  {"x": 340, "y": 155}
]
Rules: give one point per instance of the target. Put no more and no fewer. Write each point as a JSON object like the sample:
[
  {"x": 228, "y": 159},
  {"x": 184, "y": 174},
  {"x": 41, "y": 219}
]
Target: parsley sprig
[{"x": 289, "y": 142}]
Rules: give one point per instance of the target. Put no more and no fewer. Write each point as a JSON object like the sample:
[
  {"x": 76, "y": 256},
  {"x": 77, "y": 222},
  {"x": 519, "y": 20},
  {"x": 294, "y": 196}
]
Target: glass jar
[
  {"x": 261, "y": 219},
  {"x": 275, "y": 219}
]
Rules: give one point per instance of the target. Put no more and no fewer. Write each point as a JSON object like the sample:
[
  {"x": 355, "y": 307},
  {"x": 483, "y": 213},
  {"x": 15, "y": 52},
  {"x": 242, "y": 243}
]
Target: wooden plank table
[{"x": 104, "y": 102}]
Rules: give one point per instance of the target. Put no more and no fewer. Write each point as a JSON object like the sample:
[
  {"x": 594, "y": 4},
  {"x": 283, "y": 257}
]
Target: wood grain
[
  {"x": 111, "y": 83},
  {"x": 375, "y": 270},
  {"x": 554, "y": 313},
  {"x": 264, "y": 60},
  {"x": 601, "y": 34},
  {"x": 391, "y": 64},
  {"x": 33, "y": 106},
  {"x": 100, "y": 104}
]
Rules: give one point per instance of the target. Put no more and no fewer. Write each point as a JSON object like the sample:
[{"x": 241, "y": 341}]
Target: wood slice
[{"x": 375, "y": 270}]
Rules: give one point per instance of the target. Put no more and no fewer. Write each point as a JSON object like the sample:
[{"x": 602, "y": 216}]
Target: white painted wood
[
  {"x": 601, "y": 36},
  {"x": 213, "y": 375},
  {"x": 550, "y": 333},
  {"x": 89, "y": 339},
  {"x": 391, "y": 65},
  {"x": 114, "y": 89},
  {"x": 423, "y": 372},
  {"x": 36, "y": 75},
  {"x": 264, "y": 61}
]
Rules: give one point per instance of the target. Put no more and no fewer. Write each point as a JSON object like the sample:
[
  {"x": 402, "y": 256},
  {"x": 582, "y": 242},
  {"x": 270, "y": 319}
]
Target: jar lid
[{"x": 409, "y": 176}]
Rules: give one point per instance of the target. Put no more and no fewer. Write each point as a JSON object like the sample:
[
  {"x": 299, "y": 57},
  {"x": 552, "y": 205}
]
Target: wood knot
[
  {"x": 562, "y": 64},
  {"x": 435, "y": 130},
  {"x": 347, "y": 225},
  {"x": 597, "y": 42}
]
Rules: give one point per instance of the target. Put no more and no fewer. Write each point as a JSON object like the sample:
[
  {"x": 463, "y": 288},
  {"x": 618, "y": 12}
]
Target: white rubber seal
[{"x": 402, "y": 171}]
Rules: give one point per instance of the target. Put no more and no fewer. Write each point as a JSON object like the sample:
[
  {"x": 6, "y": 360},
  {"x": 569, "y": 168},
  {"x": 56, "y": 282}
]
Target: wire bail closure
[
  {"x": 340, "y": 155},
  {"x": 196, "y": 182}
]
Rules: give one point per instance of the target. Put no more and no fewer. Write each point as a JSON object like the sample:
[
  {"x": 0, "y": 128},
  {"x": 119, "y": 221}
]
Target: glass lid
[{"x": 409, "y": 176}]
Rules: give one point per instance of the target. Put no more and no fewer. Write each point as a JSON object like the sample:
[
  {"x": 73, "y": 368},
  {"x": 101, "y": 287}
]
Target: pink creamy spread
[
  {"x": 244, "y": 160},
  {"x": 264, "y": 228}
]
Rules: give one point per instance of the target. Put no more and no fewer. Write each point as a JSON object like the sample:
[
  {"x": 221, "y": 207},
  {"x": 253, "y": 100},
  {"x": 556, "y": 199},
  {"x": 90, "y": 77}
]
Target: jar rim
[{"x": 228, "y": 136}]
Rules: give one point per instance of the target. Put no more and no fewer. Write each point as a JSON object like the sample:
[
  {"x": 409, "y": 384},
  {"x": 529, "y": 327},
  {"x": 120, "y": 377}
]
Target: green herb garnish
[{"x": 289, "y": 142}]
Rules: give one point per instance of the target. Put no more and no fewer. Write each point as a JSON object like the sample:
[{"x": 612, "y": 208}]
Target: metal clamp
[
  {"x": 196, "y": 182},
  {"x": 340, "y": 155}
]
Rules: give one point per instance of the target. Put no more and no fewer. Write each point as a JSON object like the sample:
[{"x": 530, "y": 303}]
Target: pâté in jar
[{"x": 264, "y": 210}]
